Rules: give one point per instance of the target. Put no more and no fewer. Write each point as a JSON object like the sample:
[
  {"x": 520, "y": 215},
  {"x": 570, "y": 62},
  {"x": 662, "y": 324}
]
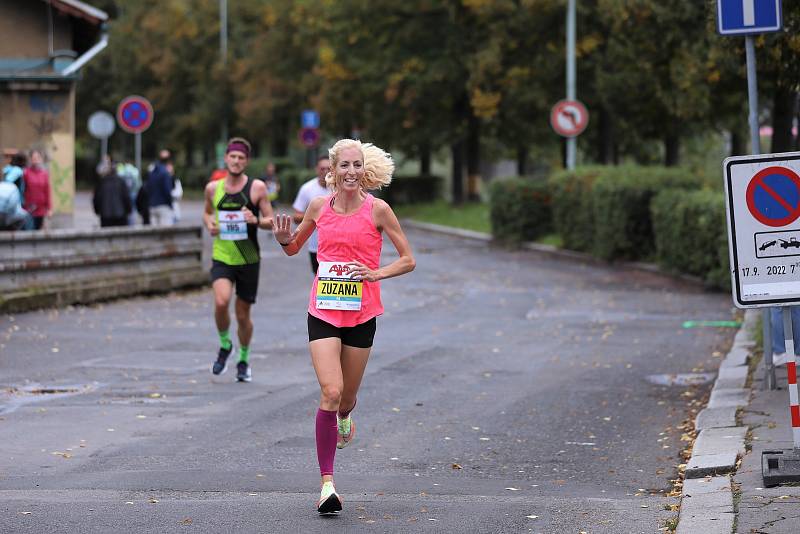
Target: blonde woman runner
[{"x": 345, "y": 296}]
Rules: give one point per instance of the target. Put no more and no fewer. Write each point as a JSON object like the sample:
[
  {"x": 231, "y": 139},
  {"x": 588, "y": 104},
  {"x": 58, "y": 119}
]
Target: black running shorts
[
  {"x": 244, "y": 277},
  {"x": 359, "y": 336}
]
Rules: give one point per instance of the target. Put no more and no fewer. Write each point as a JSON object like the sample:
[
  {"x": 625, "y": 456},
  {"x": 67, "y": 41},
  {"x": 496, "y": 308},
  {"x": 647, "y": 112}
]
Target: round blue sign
[{"x": 135, "y": 114}]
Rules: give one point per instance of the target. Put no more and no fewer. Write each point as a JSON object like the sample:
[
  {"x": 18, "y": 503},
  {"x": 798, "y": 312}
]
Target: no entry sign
[
  {"x": 763, "y": 207},
  {"x": 134, "y": 114},
  {"x": 569, "y": 118}
]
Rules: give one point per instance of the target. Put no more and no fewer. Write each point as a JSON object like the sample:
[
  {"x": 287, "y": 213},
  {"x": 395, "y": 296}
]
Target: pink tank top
[{"x": 344, "y": 238}]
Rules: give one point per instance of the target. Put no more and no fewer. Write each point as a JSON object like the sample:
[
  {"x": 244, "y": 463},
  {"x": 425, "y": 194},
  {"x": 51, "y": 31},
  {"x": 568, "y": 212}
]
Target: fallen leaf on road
[
  {"x": 153, "y": 501},
  {"x": 513, "y": 489},
  {"x": 187, "y": 521},
  {"x": 456, "y": 466},
  {"x": 532, "y": 516},
  {"x": 25, "y": 513}
]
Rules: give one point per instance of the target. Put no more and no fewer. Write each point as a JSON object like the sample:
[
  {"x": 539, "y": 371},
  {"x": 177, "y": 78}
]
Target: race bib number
[
  {"x": 232, "y": 226},
  {"x": 335, "y": 289}
]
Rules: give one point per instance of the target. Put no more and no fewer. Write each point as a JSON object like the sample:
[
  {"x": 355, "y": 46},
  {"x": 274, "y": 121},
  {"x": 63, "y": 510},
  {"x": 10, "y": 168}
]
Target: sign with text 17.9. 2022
[{"x": 763, "y": 209}]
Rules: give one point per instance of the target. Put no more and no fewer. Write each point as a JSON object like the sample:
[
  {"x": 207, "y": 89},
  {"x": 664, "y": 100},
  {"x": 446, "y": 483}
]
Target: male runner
[
  {"x": 231, "y": 215},
  {"x": 313, "y": 188}
]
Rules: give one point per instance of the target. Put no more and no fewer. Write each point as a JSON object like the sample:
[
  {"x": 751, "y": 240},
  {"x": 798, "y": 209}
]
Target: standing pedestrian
[
  {"x": 315, "y": 187},
  {"x": 177, "y": 194},
  {"x": 159, "y": 191},
  {"x": 345, "y": 295},
  {"x": 14, "y": 172},
  {"x": 38, "y": 197},
  {"x": 232, "y": 208},
  {"x": 111, "y": 199},
  {"x": 132, "y": 178},
  {"x": 273, "y": 183}
]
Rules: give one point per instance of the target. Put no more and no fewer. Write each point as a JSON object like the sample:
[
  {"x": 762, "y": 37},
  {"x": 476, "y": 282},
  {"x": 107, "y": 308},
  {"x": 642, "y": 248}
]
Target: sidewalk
[{"x": 724, "y": 490}]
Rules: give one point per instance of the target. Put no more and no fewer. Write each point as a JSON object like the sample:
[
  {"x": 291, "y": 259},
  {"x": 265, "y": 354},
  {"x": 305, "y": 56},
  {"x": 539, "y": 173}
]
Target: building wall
[
  {"x": 44, "y": 118},
  {"x": 23, "y": 25}
]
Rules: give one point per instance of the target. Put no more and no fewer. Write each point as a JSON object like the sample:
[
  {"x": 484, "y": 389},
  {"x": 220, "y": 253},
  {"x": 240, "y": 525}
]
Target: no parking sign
[{"x": 763, "y": 207}]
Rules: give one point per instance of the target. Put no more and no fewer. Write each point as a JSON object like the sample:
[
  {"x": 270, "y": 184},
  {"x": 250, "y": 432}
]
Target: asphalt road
[{"x": 506, "y": 392}]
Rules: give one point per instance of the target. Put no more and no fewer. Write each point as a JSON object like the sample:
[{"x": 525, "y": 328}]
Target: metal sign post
[
  {"x": 101, "y": 126},
  {"x": 571, "y": 141},
  {"x": 771, "y": 202}
]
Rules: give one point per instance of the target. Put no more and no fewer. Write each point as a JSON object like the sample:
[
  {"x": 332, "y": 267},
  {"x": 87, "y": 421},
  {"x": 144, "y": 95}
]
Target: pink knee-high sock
[{"x": 327, "y": 434}]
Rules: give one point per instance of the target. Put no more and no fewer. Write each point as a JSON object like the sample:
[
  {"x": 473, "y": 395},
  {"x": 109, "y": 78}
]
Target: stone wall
[{"x": 46, "y": 269}]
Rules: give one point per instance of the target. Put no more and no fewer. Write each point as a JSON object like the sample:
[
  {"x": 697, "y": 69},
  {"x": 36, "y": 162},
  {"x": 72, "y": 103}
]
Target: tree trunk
[
  {"x": 737, "y": 143},
  {"x": 783, "y": 111},
  {"x": 280, "y": 139},
  {"x": 425, "y": 159},
  {"x": 522, "y": 160},
  {"x": 473, "y": 158},
  {"x": 605, "y": 146},
  {"x": 457, "y": 152},
  {"x": 672, "y": 148}
]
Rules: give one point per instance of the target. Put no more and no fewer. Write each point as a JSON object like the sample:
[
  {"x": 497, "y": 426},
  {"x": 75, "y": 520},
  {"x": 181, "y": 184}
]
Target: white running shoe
[{"x": 329, "y": 501}]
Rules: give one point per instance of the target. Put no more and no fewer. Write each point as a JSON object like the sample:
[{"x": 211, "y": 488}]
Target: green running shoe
[
  {"x": 347, "y": 431},
  {"x": 329, "y": 501}
]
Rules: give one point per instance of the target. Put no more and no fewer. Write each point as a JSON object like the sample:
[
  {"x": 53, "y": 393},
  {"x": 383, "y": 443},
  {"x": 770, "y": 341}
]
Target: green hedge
[
  {"x": 520, "y": 209},
  {"x": 291, "y": 180},
  {"x": 573, "y": 214},
  {"x": 606, "y": 210},
  {"x": 412, "y": 190},
  {"x": 691, "y": 235}
]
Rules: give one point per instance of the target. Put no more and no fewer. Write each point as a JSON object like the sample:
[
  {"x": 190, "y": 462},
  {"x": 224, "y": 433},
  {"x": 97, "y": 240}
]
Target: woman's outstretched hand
[{"x": 282, "y": 229}]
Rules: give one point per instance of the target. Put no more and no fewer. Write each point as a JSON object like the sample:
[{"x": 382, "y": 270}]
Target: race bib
[
  {"x": 335, "y": 289},
  {"x": 232, "y": 226}
]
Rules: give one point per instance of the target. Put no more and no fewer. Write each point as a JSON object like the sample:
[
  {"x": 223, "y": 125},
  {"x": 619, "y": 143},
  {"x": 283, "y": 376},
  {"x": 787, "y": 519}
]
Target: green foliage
[
  {"x": 573, "y": 215},
  {"x": 690, "y": 234},
  {"x": 621, "y": 199},
  {"x": 291, "y": 180},
  {"x": 520, "y": 209},
  {"x": 469, "y": 216},
  {"x": 606, "y": 210},
  {"x": 412, "y": 190}
]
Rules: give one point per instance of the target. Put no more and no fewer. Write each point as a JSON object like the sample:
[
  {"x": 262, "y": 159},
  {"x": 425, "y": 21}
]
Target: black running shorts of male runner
[
  {"x": 359, "y": 336},
  {"x": 244, "y": 277}
]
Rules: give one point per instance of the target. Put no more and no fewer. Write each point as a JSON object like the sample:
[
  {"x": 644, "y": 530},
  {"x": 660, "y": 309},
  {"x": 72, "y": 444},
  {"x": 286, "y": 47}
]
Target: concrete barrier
[{"x": 60, "y": 267}]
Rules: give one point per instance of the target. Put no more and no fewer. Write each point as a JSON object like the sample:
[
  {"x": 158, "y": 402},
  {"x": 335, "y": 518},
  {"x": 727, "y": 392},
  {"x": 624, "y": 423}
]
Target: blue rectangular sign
[
  {"x": 742, "y": 17},
  {"x": 309, "y": 119}
]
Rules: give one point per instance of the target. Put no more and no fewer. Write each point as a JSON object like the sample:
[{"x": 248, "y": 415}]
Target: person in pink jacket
[
  {"x": 345, "y": 297},
  {"x": 38, "y": 197}
]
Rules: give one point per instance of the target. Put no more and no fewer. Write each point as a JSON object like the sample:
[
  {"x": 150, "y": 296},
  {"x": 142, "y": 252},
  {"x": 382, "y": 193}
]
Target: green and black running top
[{"x": 245, "y": 251}]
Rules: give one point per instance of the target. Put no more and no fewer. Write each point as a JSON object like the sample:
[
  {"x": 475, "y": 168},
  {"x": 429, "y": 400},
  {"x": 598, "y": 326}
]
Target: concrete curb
[
  {"x": 551, "y": 251},
  {"x": 707, "y": 497}
]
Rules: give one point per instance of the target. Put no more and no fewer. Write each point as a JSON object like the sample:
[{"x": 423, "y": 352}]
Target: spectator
[
  {"x": 132, "y": 178},
  {"x": 177, "y": 194},
  {"x": 38, "y": 197},
  {"x": 111, "y": 200},
  {"x": 218, "y": 174},
  {"x": 272, "y": 182},
  {"x": 14, "y": 172},
  {"x": 12, "y": 215},
  {"x": 159, "y": 191}
]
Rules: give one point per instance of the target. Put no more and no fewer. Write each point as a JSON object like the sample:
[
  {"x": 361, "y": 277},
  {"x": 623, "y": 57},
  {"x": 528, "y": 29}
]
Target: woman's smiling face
[{"x": 349, "y": 169}]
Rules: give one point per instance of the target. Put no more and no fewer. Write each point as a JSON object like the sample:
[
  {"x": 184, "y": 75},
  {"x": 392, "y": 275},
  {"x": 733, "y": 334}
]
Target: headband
[{"x": 239, "y": 147}]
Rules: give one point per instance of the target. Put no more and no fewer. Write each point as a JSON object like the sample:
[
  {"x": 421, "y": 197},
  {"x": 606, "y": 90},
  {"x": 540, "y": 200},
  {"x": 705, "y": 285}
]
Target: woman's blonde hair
[{"x": 378, "y": 164}]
